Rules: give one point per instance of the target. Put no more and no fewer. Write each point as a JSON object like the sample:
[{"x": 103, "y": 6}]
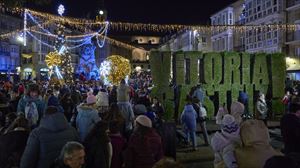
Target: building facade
[
  {"x": 10, "y": 48},
  {"x": 265, "y": 12},
  {"x": 227, "y": 39},
  {"x": 293, "y": 38},
  {"x": 188, "y": 41}
]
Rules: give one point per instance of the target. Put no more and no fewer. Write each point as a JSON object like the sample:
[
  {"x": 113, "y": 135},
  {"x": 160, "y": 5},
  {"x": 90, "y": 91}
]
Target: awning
[{"x": 293, "y": 68}]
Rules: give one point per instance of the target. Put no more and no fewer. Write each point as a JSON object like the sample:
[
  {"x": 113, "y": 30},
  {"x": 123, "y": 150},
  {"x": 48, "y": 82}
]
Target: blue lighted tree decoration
[{"x": 87, "y": 62}]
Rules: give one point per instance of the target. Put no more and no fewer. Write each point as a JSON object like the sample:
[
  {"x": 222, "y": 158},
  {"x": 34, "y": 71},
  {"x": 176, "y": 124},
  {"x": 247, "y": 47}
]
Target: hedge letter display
[{"x": 222, "y": 76}]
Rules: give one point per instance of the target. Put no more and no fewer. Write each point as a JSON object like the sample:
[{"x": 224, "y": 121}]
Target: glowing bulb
[
  {"x": 101, "y": 12},
  {"x": 61, "y": 9}
]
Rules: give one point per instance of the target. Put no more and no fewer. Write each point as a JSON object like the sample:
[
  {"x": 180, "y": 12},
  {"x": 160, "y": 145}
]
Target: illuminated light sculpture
[
  {"x": 115, "y": 68},
  {"x": 87, "y": 62},
  {"x": 105, "y": 68},
  {"x": 61, "y": 9},
  {"x": 53, "y": 59}
]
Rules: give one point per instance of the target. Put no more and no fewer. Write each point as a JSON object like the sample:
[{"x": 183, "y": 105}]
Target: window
[
  {"x": 187, "y": 71},
  {"x": 297, "y": 51},
  {"x": 269, "y": 11},
  {"x": 203, "y": 40},
  {"x": 275, "y": 9},
  {"x": 230, "y": 19},
  {"x": 275, "y": 34},
  {"x": 274, "y": 2}
]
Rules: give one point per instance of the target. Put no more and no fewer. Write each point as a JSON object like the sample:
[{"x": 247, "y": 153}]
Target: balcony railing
[
  {"x": 292, "y": 3},
  {"x": 293, "y": 36}
]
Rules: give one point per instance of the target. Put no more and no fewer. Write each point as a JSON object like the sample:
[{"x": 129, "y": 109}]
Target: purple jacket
[
  {"x": 118, "y": 144},
  {"x": 188, "y": 118},
  {"x": 143, "y": 152}
]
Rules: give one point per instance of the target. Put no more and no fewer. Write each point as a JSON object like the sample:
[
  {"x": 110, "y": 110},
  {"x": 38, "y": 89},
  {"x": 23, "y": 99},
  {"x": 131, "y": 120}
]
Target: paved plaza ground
[{"x": 203, "y": 157}]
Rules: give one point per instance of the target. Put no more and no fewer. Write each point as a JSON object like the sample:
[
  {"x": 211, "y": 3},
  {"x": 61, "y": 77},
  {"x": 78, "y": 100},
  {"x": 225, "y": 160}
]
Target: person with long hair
[
  {"x": 13, "y": 143},
  {"x": 144, "y": 146},
  {"x": 98, "y": 146}
]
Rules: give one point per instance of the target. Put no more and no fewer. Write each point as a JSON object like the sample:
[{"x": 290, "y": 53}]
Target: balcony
[
  {"x": 293, "y": 38},
  {"x": 239, "y": 48},
  {"x": 293, "y": 5}
]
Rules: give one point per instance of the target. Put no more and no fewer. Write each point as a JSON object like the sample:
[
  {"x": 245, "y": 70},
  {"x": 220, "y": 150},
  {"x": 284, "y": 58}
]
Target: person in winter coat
[
  {"x": 199, "y": 93},
  {"x": 125, "y": 107},
  {"x": 45, "y": 142},
  {"x": 114, "y": 114},
  {"x": 237, "y": 110},
  {"x": 201, "y": 118},
  {"x": 223, "y": 143},
  {"x": 262, "y": 108},
  {"x": 98, "y": 148},
  {"x": 221, "y": 113},
  {"x": 188, "y": 119},
  {"x": 87, "y": 116},
  {"x": 53, "y": 101},
  {"x": 144, "y": 147},
  {"x": 290, "y": 125},
  {"x": 13, "y": 143},
  {"x": 118, "y": 143},
  {"x": 68, "y": 105},
  {"x": 102, "y": 101},
  {"x": 255, "y": 149},
  {"x": 32, "y": 96}
]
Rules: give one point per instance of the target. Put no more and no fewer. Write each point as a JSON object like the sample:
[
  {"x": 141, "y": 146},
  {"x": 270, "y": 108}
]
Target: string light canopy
[{"x": 125, "y": 27}]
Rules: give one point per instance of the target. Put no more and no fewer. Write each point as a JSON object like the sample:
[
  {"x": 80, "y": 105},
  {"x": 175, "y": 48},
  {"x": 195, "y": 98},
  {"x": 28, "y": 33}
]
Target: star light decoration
[
  {"x": 61, "y": 9},
  {"x": 105, "y": 67}
]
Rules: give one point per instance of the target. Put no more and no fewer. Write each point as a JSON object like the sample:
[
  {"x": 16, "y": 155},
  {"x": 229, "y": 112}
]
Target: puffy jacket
[
  {"x": 188, "y": 117},
  {"x": 143, "y": 153},
  {"x": 46, "y": 141},
  {"x": 86, "y": 119}
]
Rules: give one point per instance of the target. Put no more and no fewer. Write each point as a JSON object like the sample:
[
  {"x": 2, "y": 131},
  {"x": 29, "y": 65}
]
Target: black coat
[
  {"x": 12, "y": 146},
  {"x": 290, "y": 125},
  {"x": 97, "y": 153}
]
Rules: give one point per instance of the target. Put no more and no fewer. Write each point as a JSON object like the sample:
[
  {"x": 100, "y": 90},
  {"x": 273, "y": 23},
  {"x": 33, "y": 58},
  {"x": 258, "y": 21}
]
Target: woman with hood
[
  {"x": 87, "y": 116},
  {"x": 223, "y": 143},
  {"x": 188, "y": 119}
]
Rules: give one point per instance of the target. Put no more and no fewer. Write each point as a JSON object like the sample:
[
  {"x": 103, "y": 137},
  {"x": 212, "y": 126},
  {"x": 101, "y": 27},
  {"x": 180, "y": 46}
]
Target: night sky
[{"x": 145, "y": 11}]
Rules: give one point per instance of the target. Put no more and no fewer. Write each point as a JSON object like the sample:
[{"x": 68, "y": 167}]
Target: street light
[
  {"x": 20, "y": 38},
  {"x": 101, "y": 12}
]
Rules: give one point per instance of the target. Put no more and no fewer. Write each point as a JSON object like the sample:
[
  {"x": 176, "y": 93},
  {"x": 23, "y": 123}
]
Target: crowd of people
[
  {"x": 82, "y": 125},
  {"x": 88, "y": 124}
]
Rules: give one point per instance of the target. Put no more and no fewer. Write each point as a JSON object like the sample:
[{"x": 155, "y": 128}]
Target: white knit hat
[{"x": 144, "y": 121}]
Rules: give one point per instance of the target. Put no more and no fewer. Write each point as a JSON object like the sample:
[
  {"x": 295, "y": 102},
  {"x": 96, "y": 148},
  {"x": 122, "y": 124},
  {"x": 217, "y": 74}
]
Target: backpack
[{"x": 31, "y": 113}]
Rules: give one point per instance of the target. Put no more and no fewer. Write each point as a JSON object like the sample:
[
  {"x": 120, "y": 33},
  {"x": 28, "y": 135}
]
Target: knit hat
[
  {"x": 237, "y": 110},
  {"x": 53, "y": 101},
  {"x": 91, "y": 99},
  {"x": 144, "y": 121},
  {"x": 229, "y": 126}
]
